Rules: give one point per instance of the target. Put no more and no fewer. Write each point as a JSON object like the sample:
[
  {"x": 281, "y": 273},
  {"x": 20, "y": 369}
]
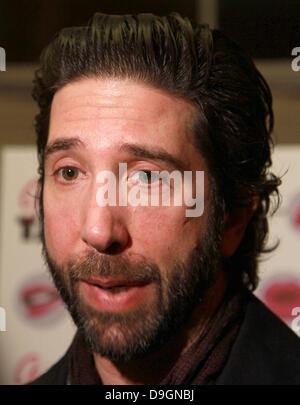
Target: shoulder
[
  {"x": 266, "y": 351},
  {"x": 56, "y": 375}
]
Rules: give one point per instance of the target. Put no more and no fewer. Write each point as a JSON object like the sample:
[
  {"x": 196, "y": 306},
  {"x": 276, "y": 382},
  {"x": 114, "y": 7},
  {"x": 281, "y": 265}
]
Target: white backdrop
[
  {"x": 39, "y": 329},
  {"x": 280, "y": 272}
]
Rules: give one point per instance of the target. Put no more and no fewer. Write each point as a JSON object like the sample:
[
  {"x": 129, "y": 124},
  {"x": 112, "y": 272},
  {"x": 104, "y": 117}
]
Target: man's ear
[{"x": 235, "y": 226}]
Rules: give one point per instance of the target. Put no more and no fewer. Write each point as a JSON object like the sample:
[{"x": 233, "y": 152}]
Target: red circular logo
[
  {"x": 39, "y": 301},
  {"x": 281, "y": 294}
]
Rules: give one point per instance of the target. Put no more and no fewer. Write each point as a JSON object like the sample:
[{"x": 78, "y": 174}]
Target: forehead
[
  {"x": 135, "y": 97},
  {"x": 118, "y": 110}
]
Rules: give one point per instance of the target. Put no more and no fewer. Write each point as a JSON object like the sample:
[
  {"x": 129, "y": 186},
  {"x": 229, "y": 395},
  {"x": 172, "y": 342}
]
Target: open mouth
[
  {"x": 114, "y": 285},
  {"x": 115, "y": 295},
  {"x": 115, "y": 289}
]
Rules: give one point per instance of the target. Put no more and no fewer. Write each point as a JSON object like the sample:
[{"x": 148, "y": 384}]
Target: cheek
[
  {"x": 61, "y": 225},
  {"x": 164, "y": 232}
]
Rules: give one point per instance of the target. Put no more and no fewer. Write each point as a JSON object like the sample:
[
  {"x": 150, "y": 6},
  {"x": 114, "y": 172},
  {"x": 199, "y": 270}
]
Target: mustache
[{"x": 96, "y": 265}]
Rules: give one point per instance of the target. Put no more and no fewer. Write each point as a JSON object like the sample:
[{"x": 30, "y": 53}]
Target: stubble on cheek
[{"x": 60, "y": 238}]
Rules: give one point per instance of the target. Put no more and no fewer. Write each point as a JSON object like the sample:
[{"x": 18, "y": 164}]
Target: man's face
[{"x": 130, "y": 275}]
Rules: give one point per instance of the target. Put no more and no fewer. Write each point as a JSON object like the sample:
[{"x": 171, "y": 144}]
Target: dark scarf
[{"x": 202, "y": 362}]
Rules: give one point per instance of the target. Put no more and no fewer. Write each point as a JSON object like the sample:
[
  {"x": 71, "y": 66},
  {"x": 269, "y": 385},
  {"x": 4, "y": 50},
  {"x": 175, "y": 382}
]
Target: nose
[{"x": 104, "y": 228}]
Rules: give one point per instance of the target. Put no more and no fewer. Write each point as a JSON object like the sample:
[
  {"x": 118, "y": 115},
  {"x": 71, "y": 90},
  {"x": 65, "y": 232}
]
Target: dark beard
[{"x": 122, "y": 337}]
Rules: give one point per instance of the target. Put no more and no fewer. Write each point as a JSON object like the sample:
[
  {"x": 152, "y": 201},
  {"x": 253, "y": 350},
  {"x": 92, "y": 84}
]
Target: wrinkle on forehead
[
  {"x": 110, "y": 98},
  {"x": 112, "y": 111}
]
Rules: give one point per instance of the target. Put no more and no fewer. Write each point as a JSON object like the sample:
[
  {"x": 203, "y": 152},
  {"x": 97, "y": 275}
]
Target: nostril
[{"x": 114, "y": 248}]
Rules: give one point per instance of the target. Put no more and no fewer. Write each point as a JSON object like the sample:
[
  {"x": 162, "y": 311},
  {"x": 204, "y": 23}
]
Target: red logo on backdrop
[
  {"x": 27, "y": 204},
  {"x": 39, "y": 302},
  {"x": 27, "y": 369},
  {"x": 295, "y": 212},
  {"x": 281, "y": 294}
]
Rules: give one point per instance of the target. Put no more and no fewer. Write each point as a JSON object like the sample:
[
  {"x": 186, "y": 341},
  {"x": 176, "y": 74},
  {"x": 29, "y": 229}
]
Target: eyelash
[
  {"x": 146, "y": 172},
  {"x": 57, "y": 173}
]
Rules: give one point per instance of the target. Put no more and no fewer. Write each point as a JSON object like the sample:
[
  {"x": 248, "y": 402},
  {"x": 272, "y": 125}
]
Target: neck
[{"x": 135, "y": 372}]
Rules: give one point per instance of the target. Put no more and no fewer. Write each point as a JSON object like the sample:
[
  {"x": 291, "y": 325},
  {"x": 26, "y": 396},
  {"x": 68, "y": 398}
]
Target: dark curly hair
[{"x": 234, "y": 121}]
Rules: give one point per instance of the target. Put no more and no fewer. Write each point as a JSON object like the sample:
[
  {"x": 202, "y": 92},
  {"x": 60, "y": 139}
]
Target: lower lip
[{"x": 120, "y": 301}]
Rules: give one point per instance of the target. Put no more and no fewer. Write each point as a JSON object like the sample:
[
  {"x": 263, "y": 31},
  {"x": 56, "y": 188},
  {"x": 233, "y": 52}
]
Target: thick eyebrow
[
  {"x": 136, "y": 150},
  {"x": 154, "y": 154},
  {"x": 62, "y": 144}
]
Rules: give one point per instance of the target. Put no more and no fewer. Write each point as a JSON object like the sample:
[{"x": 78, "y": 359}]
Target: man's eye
[
  {"x": 69, "y": 173},
  {"x": 145, "y": 177}
]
